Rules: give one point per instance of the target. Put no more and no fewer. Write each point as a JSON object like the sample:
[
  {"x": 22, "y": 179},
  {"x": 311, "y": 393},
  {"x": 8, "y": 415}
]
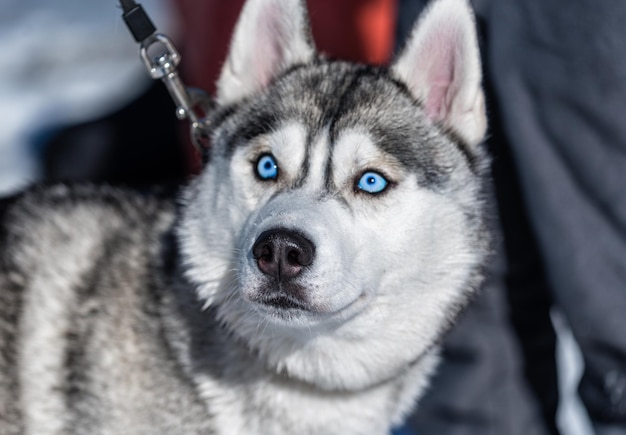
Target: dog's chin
[{"x": 283, "y": 310}]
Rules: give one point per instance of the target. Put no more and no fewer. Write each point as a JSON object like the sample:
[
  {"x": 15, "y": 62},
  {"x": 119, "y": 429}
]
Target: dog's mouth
[
  {"x": 277, "y": 297},
  {"x": 283, "y": 305},
  {"x": 283, "y": 302}
]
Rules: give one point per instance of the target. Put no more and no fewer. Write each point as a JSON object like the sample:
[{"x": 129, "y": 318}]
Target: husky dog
[{"x": 302, "y": 282}]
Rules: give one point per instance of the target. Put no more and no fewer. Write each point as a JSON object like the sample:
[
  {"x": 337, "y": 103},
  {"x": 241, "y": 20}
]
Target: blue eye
[
  {"x": 372, "y": 182},
  {"x": 266, "y": 167}
]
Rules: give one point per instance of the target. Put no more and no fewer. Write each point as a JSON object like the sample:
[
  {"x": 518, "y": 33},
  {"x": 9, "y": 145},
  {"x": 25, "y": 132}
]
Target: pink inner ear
[
  {"x": 437, "y": 100},
  {"x": 271, "y": 37},
  {"x": 440, "y": 64}
]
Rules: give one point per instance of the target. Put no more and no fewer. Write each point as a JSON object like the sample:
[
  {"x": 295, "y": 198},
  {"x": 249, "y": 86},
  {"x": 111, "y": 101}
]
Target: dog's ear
[
  {"x": 270, "y": 36},
  {"x": 441, "y": 67}
]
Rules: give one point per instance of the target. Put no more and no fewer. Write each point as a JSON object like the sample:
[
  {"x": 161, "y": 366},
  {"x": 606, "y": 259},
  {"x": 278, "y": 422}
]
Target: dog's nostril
[
  {"x": 301, "y": 255},
  {"x": 282, "y": 253},
  {"x": 293, "y": 257},
  {"x": 263, "y": 251}
]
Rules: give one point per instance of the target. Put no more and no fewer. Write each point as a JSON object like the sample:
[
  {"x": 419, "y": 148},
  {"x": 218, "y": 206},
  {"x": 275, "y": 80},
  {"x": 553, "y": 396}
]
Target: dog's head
[{"x": 338, "y": 225}]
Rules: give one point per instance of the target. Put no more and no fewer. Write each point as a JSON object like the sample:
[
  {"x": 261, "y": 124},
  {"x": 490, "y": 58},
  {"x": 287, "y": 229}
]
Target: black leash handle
[{"x": 161, "y": 59}]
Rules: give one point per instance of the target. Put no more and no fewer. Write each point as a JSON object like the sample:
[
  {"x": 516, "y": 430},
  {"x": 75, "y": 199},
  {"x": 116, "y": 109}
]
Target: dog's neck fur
[{"x": 232, "y": 379}]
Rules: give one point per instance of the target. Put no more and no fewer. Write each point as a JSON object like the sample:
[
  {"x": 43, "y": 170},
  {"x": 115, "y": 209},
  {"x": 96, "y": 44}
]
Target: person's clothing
[{"x": 558, "y": 75}]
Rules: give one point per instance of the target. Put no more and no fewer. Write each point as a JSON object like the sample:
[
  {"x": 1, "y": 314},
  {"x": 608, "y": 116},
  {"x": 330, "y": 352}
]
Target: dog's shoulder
[
  {"x": 78, "y": 268},
  {"x": 60, "y": 223},
  {"x": 65, "y": 237}
]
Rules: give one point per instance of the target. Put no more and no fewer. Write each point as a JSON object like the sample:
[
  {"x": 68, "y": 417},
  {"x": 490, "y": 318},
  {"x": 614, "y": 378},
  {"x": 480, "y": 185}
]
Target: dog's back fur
[{"x": 301, "y": 284}]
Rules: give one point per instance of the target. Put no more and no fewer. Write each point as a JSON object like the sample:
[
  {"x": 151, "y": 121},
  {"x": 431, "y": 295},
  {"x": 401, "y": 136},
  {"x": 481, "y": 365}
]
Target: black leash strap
[
  {"x": 161, "y": 60},
  {"x": 138, "y": 22}
]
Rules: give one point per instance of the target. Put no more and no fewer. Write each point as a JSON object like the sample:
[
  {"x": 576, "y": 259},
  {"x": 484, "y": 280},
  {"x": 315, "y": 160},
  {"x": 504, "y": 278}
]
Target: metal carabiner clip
[{"x": 161, "y": 60}]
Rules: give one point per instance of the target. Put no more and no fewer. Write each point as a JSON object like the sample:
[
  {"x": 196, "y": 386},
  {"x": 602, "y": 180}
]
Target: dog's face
[{"x": 338, "y": 226}]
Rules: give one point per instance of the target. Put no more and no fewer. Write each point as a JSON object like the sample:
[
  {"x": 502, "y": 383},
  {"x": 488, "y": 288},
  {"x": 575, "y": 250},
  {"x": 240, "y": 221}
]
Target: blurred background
[{"x": 65, "y": 63}]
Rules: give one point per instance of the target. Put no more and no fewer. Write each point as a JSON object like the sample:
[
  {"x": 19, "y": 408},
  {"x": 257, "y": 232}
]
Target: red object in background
[{"x": 356, "y": 30}]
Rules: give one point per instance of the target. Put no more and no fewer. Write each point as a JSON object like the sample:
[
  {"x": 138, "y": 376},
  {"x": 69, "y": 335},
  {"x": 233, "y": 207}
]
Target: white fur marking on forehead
[
  {"x": 288, "y": 145},
  {"x": 318, "y": 159}
]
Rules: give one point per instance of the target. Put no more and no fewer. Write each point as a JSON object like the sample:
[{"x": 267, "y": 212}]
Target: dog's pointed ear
[
  {"x": 441, "y": 67},
  {"x": 270, "y": 36}
]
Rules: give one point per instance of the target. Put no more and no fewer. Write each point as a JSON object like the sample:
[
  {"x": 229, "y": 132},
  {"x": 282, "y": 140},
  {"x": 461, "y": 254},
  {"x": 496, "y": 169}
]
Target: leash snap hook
[
  {"x": 163, "y": 64},
  {"x": 161, "y": 60}
]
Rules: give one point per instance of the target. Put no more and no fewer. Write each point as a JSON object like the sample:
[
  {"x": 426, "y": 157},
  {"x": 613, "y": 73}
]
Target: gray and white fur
[{"x": 307, "y": 295}]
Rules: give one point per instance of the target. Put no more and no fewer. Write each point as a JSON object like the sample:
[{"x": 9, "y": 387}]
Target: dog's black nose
[{"x": 282, "y": 253}]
